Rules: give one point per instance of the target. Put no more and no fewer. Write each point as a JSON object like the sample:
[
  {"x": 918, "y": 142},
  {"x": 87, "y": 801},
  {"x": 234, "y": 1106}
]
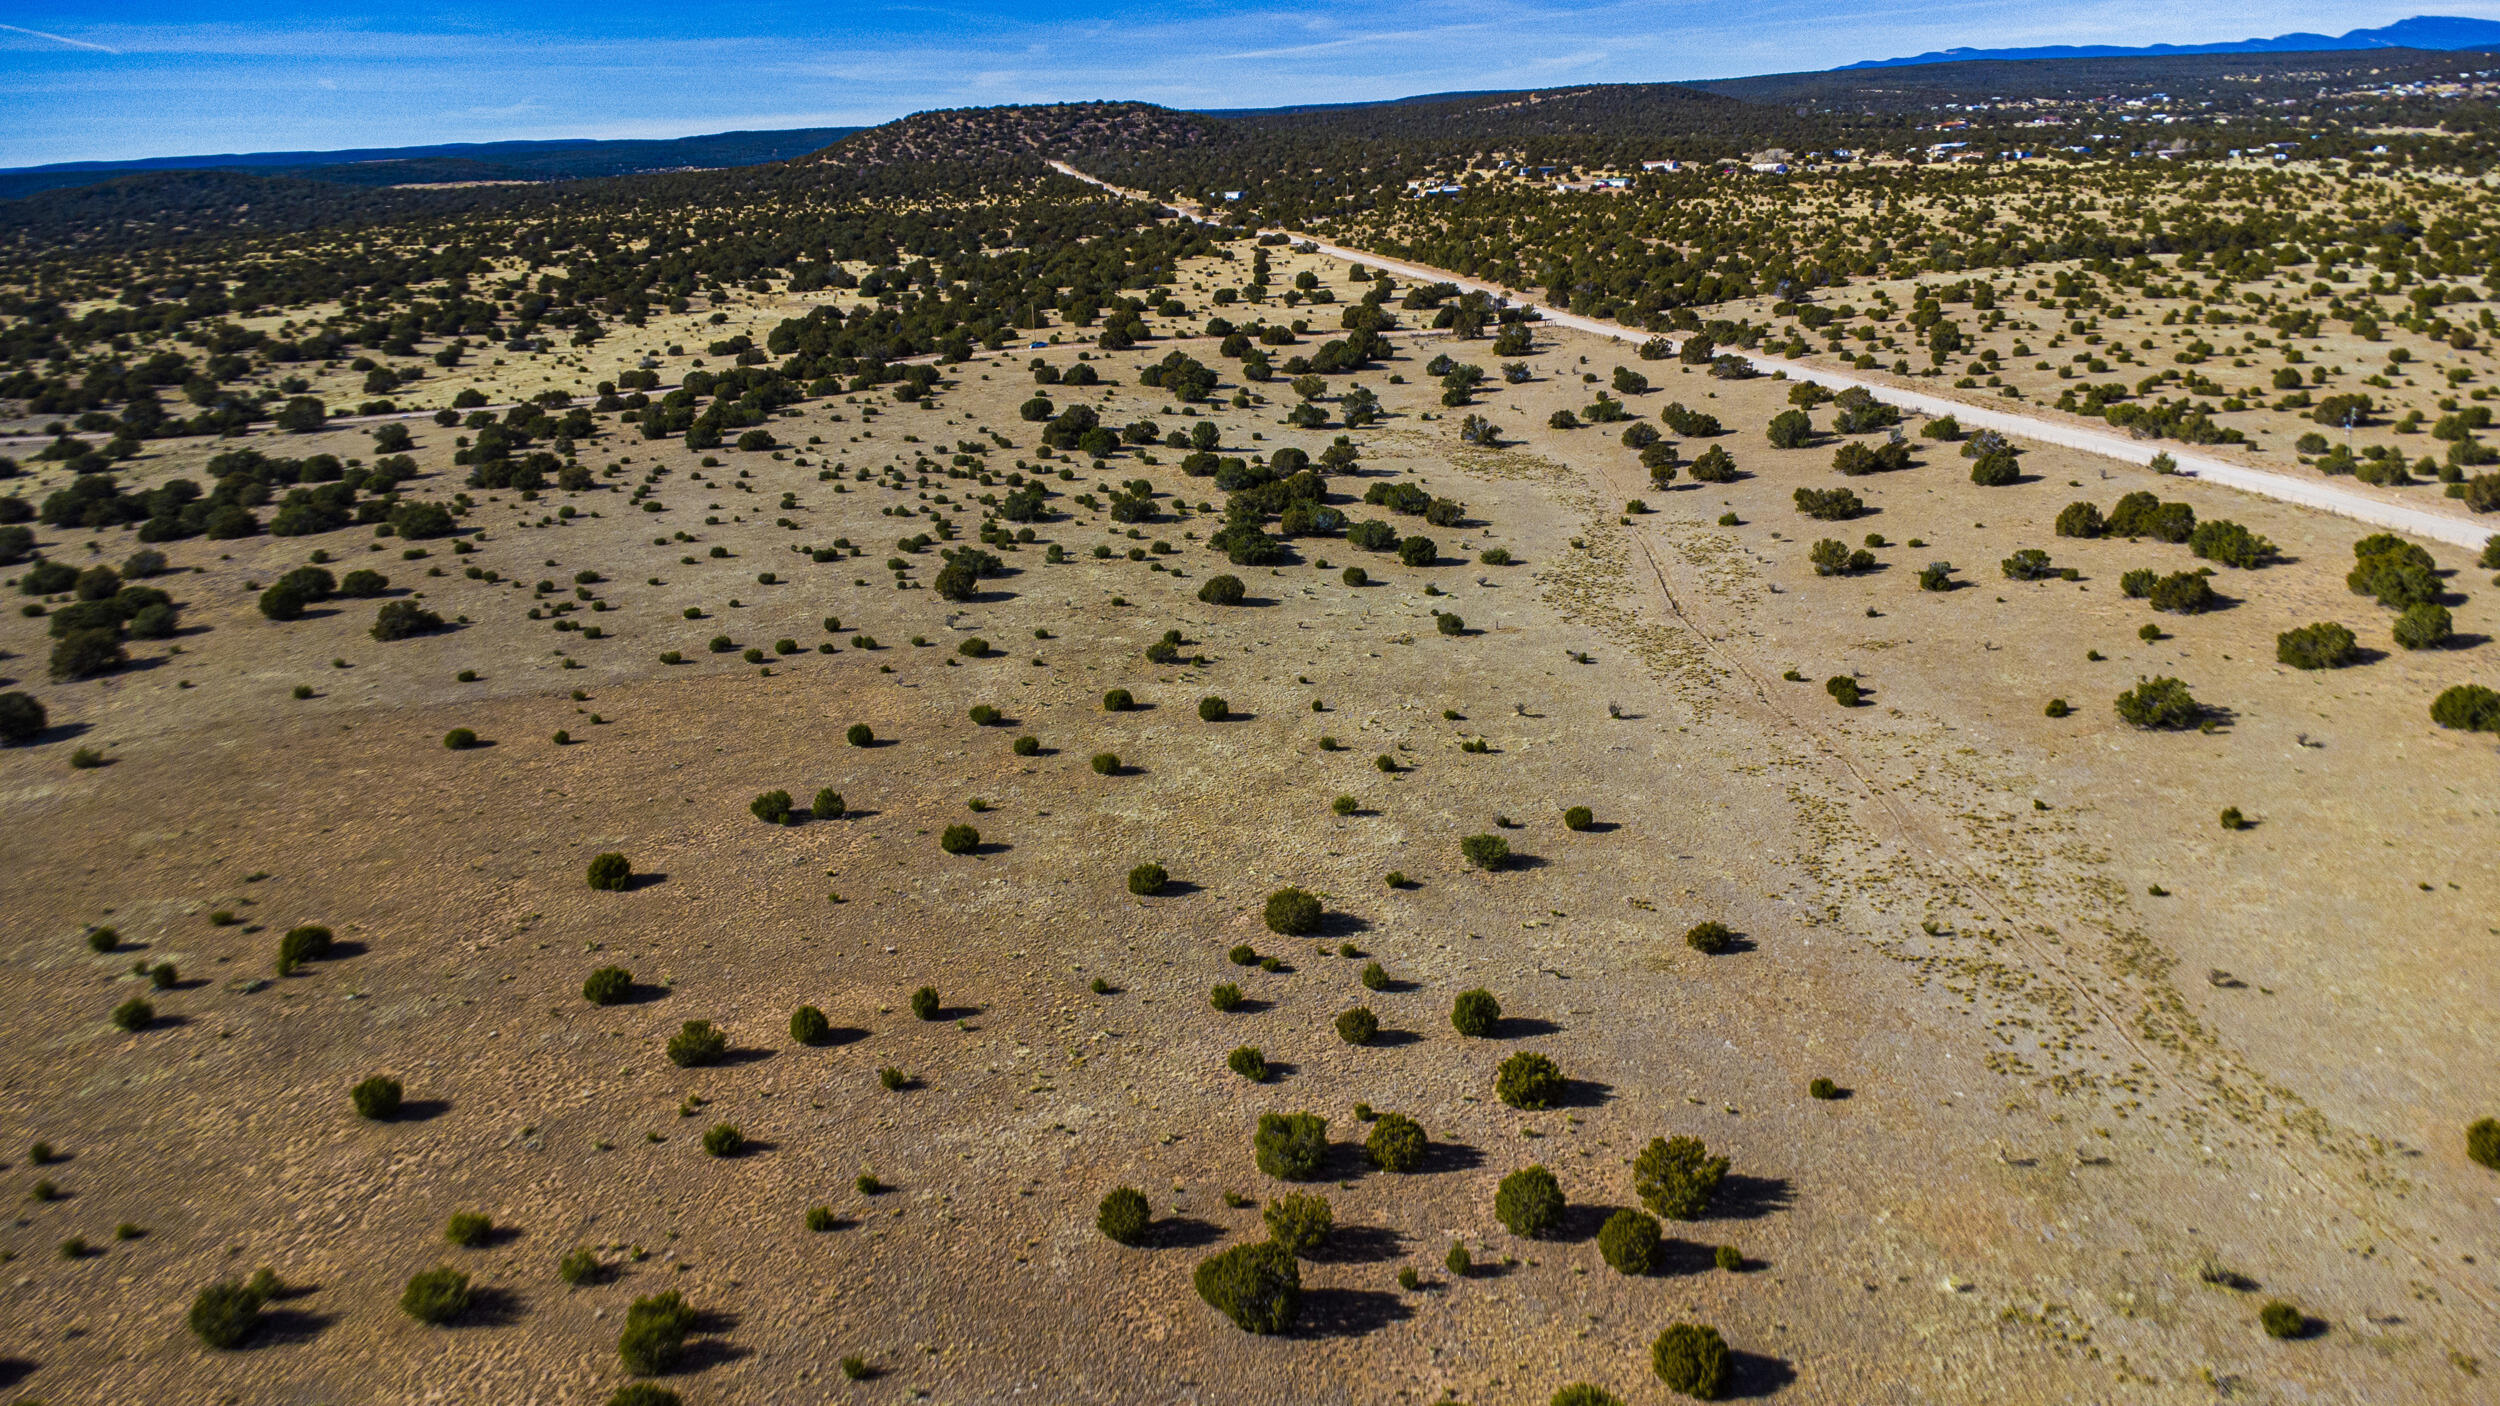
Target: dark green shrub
[
  {"x": 1026, "y": 747},
  {"x": 654, "y": 1337},
  {"x": 1358, "y": 1026},
  {"x": 1584, "y": 1394},
  {"x": 1692, "y": 1360},
  {"x": 1396, "y": 1143},
  {"x": 1123, "y": 1217},
  {"x": 1291, "y": 1146},
  {"x": 2219, "y": 539},
  {"x": 1257, "y": 1286},
  {"x": 133, "y": 1014},
  {"x": 1728, "y": 1258},
  {"x": 2232, "y": 819},
  {"x": 2469, "y": 707},
  {"x": 1292, "y": 913},
  {"x": 308, "y": 943},
  {"x": 2081, "y": 520},
  {"x": 2424, "y": 626},
  {"x": 2137, "y": 584},
  {"x": 1844, "y": 690},
  {"x": 2183, "y": 593},
  {"x": 377, "y": 1098},
  {"x": 1106, "y": 764},
  {"x": 363, "y": 585},
  {"x": 22, "y": 719},
  {"x": 1299, "y": 1222},
  {"x": 772, "y": 807},
  {"x": 438, "y": 1295},
  {"x": 84, "y": 654},
  {"x": 1375, "y": 977},
  {"x": 1996, "y": 469},
  {"x": 1528, "y": 1080},
  {"x": 924, "y": 1003},
  {"x": 892, "y": 1079},
  {"x": 1630, "y": 1242},
  {"x": 1709, "y": 938},
  {"x": 808, "y": 1026},
  {"x": 821, "y": 1219},
  {"x": 1225, "y": 996},
  {"x": 403, "y": 619},
  {"x": 983, "y": 715},
  {"x": 460, "y": 739},
  {"x": 611, "y": 873},
  {"x": 2482, "y": 1142},
  {"x": 2325, "y": 645},
  {"x": 2158, "y": 704},
  {"x": 1213, "y": 710},
  {"x": 1486, "y": 852},
  {"x": 2397, "y": 572},
  {"x": 1118, "y": 700},
  {"x": 1147, "y": 880},
  {"x": 1418, "y": 550},
  {"x": 580, "y": 1267},
  {"x": 723, "y": 1140},
  {"x": 1222, "y": 590},
  {"x": 1822, "y": 1088},
  {"x": 224, "y": 1314},
  {"x": 607, "y": 986},
  {"x": 283, "y": 601},
  {"x": 1249, "y": 1063},
  {"x": 1578, "y": 818},
  {"x": 103, "y": 940},
  {"x": 1529, "y": 1203},
  {"x": 1677, "y": 1176},
  {"x": 1790, "y": 429},
  {"x": 1475, "y": 1013},
  {"x": 858, "y": 735},
  {"x": 468, "y": 1229},
  {"x": 959, "y": 839},
  {"x": 2281, "y": 1320},
  {"x": 1825, "y": 504},
  {"x": 697, "y": 1043}
]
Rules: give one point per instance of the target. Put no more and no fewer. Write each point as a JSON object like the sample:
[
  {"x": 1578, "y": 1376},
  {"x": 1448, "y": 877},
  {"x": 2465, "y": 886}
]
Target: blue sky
[{"x": 134, "y": 78}]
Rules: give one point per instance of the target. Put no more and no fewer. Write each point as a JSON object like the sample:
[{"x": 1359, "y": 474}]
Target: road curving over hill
[{"x": 2455, "y": 529}]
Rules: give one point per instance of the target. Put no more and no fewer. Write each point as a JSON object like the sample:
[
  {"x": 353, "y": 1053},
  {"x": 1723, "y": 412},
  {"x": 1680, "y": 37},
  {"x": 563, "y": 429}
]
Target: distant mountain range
[
  {"x": 2434, "y": 32},
  {"x": 572, "y": 159}
]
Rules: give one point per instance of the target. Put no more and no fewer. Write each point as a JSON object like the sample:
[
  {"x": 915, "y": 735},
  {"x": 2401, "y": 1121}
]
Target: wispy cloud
[{"x": 59, "y": 39}]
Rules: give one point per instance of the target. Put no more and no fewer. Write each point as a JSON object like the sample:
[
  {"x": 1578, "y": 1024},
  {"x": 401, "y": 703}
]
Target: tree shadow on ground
[
  {"x": 1743, "y": 1197},
  {"x": 1349, "y": 1313}
]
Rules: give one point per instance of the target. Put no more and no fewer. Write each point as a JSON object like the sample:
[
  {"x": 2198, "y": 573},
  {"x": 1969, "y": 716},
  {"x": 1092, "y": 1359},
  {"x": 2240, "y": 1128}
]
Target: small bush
[
  {"x": 1118, "y": 700},
  {"x": 468, "y": 1229},
  {"x": 2325, "y": 645},
  {"x": 1844, "y": 690},
  {"x": 1147, "y": 880},
  {"x": 1299, "y": 1222},
  {"x": 2281, "y": 1320},
  {"x": 22, "y": 719},
  {"x": 1123, "y": 1217},
  {"x": 579, "y": 1267},
  {"x": 1475, "y": 1013},
  {"x": 2424, "y": 626},
  {"x": 808, "y": 1026},
  {"x": 2469, "y": 707},
  {"x": 1213, "y": 710},
  {"x": 1822, "y": 1088},
  {"x": 377, "y": 1099},
  {"x": 403, "y": 619},
  {"x": 611, "y": 873},
  {"x": 1222, "y": 590},
  {"x": 1584, "y": 1394},
  {"x": 438, "y": 1295},
  {"x": 1529, "y": 1203},
  {"x": 1396, "y": 1143},
  {"x": 924, "y": 1003},
  {"x": 1630, "y": 1242},
  {"x": 1728, "y": 1258},
  {"x": 723, "y": 1140},
  {"x": 1224, "y": 996},
  {"x": 1249, "y": 1063},
  {"x": 1356, "y": 576},
  {"x": 460, "y": 739},
  {"x": 1375, "y": 977},
  {"x": 308, "y": 943},
  {"x": 2162, "y": 703},
  {"x": 1026, "y": 747},
  {"x": 696, "y": 1044},
  {"x": 1677, "y": 1177},
  {"x": 1528, "y": 1080},
  {"x": 1692, "y": 1360},
  {"x": 983, "y": 715},
  {"x": 2482, "y": 1142},
  {"x": 1486, "y": 852},
  {"x": 133, "y": 1015},
  {"x": 1258, "y": 1286},
  {"x": 654, "y": 1337},
  {"x": 821, "y": 1219},
  {"x": 858, "y": 735},
  {"x": 1291, "y": 1146},
  {"x": 2183, "y": 593},
  {"x": 224, "y": 1314},
  {"x": 1710, "y": 937},
  {"x": 828, "y": 804},
  {"x": 1578, "y": 818},
  {"x": 1291, "y": 912},
  {"x": 959, "y": 839},
  {"x": 1106, "y": 763},
  {"x": 772, "y": 807},
  {"x": 607, "y": 986},
  {"x": 1358, "y": 1026}
]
